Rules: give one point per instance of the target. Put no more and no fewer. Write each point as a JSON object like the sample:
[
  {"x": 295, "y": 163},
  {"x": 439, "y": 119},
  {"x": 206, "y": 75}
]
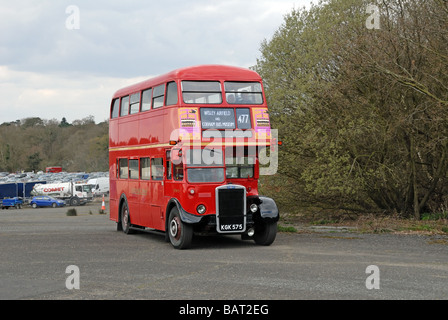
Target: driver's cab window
[{"x": 169, "y": 168}]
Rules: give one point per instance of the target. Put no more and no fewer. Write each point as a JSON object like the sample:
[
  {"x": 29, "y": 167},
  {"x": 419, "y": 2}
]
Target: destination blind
[{"x": 224, "y": 118}]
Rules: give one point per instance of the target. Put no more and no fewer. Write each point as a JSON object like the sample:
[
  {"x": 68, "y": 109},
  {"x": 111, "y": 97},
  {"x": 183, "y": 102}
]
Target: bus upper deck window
[
  {"x": 146, "y": 99},
  {"x": 201, "y": 92},
  {"x": 158, "y": 96},
  {"x": 134, "y": 103},
  {"x": 243, "y": 92},
  {"x": 115, "y": 108},
  {"x": 124, "y": 106},
  {"x": 171, "y": 93}
]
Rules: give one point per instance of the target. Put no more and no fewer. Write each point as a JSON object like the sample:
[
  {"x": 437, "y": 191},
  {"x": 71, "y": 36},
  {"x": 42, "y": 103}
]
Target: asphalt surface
[{"x": 37, "y": 246}]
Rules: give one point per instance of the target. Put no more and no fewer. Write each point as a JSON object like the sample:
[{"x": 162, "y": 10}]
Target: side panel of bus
[{"x": 145, "y": 203}]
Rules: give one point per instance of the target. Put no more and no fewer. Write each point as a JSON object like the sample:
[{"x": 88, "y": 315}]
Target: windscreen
[{"x": 205, "y": 165}]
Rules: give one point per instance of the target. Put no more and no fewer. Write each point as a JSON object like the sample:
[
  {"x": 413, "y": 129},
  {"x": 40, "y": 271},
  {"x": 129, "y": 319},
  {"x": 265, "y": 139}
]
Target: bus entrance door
[{"x": 157, "y": 174}]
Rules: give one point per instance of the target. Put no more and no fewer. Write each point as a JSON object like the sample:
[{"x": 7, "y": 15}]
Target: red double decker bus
[{"x": 184, "y": 155}]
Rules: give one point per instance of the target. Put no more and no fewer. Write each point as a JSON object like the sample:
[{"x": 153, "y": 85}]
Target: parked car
[{"x": 46, "y": 201}]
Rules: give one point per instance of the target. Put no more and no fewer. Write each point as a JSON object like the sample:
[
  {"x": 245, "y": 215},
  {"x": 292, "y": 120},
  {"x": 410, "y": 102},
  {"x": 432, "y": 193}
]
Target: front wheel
[
  {"x": 265, "y": 233},
  {"x": 180, "y": 233},
  {"x": 74, "y": 201}
]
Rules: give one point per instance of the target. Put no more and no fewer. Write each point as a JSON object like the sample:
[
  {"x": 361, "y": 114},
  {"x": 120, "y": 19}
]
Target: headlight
[
  {"x": 253, "y": 208},
  {"x": 200, "y": 209}
]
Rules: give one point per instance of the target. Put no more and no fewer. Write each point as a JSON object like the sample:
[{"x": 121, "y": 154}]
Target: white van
[{"x": 100, "y": 186}]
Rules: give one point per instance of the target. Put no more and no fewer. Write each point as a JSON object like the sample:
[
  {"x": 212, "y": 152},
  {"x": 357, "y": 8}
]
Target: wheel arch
[
  {"x": 171, "y": 204},
  {"x": 122, "y": 200},
  {"x": 185, "y": 216}
]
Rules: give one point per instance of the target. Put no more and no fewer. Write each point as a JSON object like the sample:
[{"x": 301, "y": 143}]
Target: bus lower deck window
[
  {"x": 123, "y": 168},
  {"x": 157, "y": 168}
]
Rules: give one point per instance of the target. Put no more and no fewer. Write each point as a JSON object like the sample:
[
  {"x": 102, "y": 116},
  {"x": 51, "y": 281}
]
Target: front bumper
[{"x": 267, "y": 213}]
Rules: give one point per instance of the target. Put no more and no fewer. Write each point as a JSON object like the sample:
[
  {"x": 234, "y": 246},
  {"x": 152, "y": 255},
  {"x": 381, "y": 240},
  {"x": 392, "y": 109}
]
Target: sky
[{"x": 66, "y": 58}]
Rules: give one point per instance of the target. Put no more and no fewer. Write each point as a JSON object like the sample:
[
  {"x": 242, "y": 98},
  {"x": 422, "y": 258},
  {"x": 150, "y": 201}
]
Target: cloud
[
  {"x": 48, "y": 69},
  {"x": 51, "y": 96},
  {"x": 127, "y": 37}
]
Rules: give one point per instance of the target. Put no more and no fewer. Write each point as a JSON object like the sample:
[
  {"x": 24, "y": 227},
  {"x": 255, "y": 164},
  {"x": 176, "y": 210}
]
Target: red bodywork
[{"x": 150, "y": 134}]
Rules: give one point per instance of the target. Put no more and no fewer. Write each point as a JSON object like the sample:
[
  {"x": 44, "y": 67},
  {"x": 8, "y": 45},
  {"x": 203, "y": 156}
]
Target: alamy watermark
[
  {"x": 240, "y": 146},
  {"x": 373, "y": 20},
  {"x": 73, "y": 21},
  {"x": 73, "y": 280},
  {"x": 373, "y": 280}
]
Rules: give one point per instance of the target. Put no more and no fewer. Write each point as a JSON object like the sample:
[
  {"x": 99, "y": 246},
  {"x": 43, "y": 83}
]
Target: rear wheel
[
  {"x": 34, "y": 205},
  {"x": 180, "y": 233},
  {"x": 265, "y": 233},
  {"x": 125, "y": 219}
]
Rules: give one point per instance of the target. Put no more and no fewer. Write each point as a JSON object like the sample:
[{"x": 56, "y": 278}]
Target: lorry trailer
[{"x": 72, "y": 193}]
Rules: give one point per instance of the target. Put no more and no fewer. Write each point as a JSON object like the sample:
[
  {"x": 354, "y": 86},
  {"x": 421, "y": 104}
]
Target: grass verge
[{"x": 367, "y": 223}]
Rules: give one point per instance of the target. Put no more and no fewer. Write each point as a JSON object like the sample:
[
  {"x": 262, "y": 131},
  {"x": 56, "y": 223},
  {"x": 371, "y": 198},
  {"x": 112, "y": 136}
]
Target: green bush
[{"x": 71, "y": 212}]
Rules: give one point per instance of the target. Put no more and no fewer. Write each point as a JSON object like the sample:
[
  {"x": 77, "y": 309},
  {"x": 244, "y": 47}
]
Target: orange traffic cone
[{"x": 103, "y": 205}]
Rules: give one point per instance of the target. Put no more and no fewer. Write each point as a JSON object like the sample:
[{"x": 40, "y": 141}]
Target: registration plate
[
  {"x": 231, "y": 224},
  {"x": 231, "y": 227}
]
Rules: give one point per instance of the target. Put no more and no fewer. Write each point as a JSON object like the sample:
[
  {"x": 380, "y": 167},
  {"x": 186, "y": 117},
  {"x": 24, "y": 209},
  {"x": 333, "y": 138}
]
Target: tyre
[
  {"x": 74, "y": 201},
  {"x": 54, "y": 205},
  {"x": 265, "y": 233},
  {"x": 119, "y": 227},
  {"x": 125, "y": 219},
  {"x": 34, "y": 206},
  {"x": 180, "y": 233}
]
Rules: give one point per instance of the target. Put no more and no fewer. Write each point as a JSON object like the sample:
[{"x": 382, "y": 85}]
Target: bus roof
[{"x": 201, "y": 72}]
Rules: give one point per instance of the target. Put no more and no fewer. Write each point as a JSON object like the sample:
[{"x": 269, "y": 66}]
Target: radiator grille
[
  {"x": 231, "y": 208},
  {"x": 231, "y": 202}
]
